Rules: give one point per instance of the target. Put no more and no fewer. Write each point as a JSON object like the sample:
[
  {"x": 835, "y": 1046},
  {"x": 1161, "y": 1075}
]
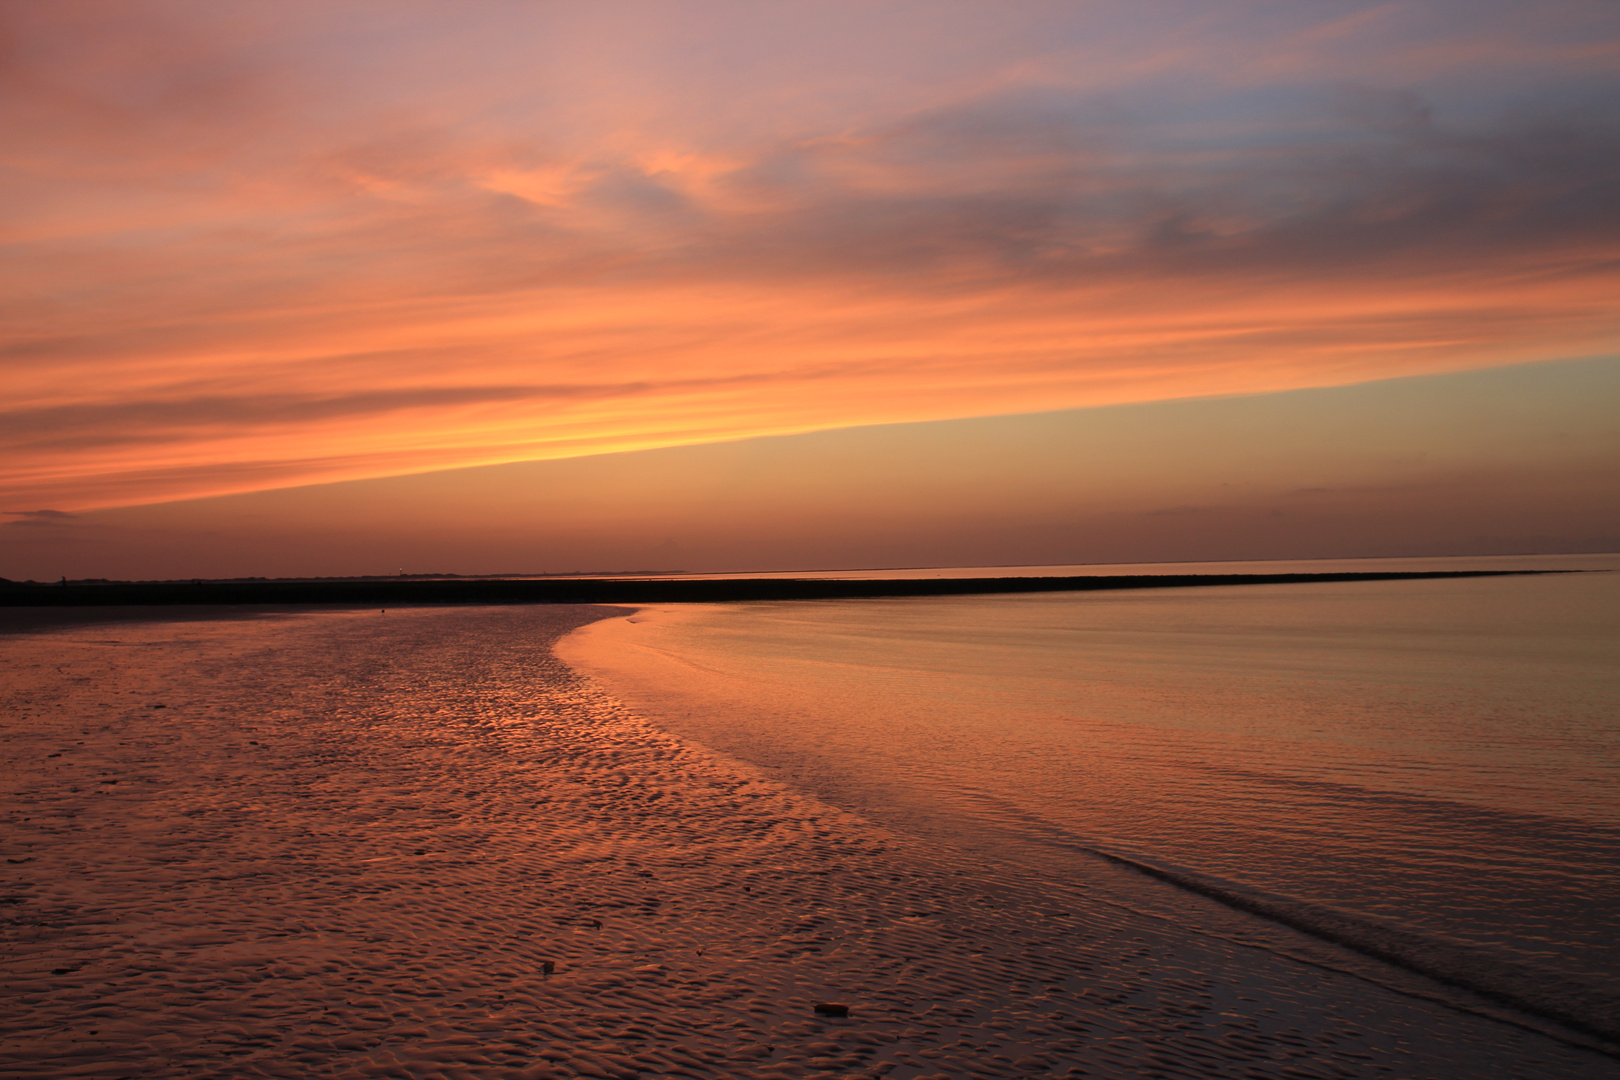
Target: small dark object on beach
[
  {"x": 160, "y": 706},
  {"x": 547, "y": 967},
  {"x": 827, "y": 1008},
  {"x": 596, "y": 924}
]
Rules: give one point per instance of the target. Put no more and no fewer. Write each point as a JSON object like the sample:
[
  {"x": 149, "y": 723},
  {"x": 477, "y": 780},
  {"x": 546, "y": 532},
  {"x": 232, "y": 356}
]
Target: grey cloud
[
  {"x": 1056, "y": 184},
  {"x": 632, "y": 189},
  {"x": 160, "y": 421},
  {"x": 165, "y": 421},
  {"x": 39, "y": 518},
  {"x": 1035, "y": 184},
  {"x": 1029, "y": 185}
]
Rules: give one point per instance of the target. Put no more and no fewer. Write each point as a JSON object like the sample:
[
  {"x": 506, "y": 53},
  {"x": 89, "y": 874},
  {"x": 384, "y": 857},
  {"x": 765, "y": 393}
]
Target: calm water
[{"x": 1434, "y": 760}]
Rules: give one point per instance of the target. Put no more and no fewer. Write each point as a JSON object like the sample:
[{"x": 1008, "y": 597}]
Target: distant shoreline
[{"x": 381, "y": 593}]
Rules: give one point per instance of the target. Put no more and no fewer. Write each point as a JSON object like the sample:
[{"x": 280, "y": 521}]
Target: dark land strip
[{"x": 381, "y": 593}]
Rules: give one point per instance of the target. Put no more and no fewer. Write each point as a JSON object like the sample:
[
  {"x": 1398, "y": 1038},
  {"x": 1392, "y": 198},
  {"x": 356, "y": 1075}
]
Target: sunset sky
[{"x": 345, "y": 286}]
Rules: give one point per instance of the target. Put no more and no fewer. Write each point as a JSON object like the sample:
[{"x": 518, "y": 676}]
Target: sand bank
[
  {"x": 416, "y": 844},
  {"x": 385, "y": 592}
]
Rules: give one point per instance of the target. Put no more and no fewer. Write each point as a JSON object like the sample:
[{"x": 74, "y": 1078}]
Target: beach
[{"x": 414, "y": 843}]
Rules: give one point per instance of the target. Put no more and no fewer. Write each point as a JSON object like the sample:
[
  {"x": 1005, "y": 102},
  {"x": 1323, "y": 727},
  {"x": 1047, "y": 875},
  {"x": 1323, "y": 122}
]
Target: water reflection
[{"x": 1441, "y": 754}]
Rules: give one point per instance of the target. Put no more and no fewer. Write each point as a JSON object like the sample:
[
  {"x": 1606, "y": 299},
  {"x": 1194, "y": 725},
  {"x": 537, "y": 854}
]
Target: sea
[{"x": 1421, "y": 774}]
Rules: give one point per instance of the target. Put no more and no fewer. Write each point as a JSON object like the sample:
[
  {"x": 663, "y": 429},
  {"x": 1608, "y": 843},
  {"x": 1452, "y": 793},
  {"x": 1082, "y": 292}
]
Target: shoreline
[
  {"x": 350, "y": 845},
  {"x": 640, "y": 661},
  {"x": 371, "y": 593}
]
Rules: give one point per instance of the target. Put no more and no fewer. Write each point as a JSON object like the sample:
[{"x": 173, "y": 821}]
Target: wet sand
[{"x": 417, "y": 845}]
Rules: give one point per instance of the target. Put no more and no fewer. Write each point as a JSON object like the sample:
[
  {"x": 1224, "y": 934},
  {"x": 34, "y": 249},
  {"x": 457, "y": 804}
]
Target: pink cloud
[{"x": 259, "y": 245}]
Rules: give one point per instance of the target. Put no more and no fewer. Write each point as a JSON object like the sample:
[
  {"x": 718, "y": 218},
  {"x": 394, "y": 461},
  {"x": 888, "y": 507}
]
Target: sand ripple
[{"x": 416, "y": 845}]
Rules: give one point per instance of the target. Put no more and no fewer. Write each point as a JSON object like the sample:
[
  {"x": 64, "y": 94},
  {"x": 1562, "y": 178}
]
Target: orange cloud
[{"x": 253, "y": 249}]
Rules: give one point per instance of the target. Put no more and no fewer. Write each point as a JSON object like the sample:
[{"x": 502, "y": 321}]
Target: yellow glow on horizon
[{"x": 408, "y": 388}]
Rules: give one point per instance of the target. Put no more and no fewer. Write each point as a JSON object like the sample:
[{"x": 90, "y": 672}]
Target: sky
[{"x": 503, "y": 286}]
